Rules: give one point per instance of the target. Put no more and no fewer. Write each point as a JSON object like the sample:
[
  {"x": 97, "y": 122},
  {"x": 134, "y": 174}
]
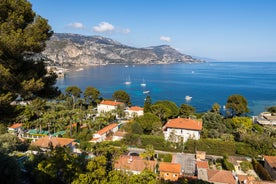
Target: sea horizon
[{"x": 207, "y": 83}]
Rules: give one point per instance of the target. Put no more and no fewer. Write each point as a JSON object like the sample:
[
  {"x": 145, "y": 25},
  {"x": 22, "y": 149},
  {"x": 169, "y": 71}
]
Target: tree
[
  {"x": 147, "y": 104},
  {"x": 91, "y": 94},
  {"x": 161, "y": 111},
  {"x": 95, "y": 172},
  {"x": 186, "y": 111},
  {"x": 272, "y": 109},
  {"x": 150, "y": 123},
  {"x": 3, "y": 129},
  {"x": 215, "y": 108},
  {"x": 136, "y": 128},
  {"x": 237, "y": 105},
  {"x": 121, "y": 96},
  {"x": 9, "y": 143},
  {"x": 9, "y": 169},
  {"x": 212, "y": 120},
  {"x": 242, "y": 122},
  {"x": 23, "y": 36},
  {"x": 73, "y": 92},
  {"x": 145, "y": 177},
  {"x": 170, "y": 105},
  {"x": 149, "y": 152}
]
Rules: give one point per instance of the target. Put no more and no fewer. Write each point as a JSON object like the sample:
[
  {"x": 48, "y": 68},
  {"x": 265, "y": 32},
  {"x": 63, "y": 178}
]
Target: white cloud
[
  {"x": 104, "y": 27},
  {"x": 165, "y": 38},
  {"x": 76, "y": 25}
]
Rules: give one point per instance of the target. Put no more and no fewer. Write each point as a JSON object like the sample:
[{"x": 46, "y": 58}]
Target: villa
[
  {"x": 45, "y": 143},
  {"x": 15, "y": 128},
  {"x": 182, "y": 129},
  {"x": 108, "y": 105},
  {"x": 134, "y": 111},
  {"x": 104, "y": 133},
  {"x": 134, "y": 164}
]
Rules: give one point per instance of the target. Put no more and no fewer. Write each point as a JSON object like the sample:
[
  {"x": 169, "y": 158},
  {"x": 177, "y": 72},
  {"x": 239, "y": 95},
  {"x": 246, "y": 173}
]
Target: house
[
  {"x": 245, "y": 179},
  {"x": 104, "y": 133},
  {"x": 169, "y": 171},
  {"x": 108, "y": 105},
  {"x": 202, "y": 164},
  {"x": 134, "y": 111},
  {"x": 134, "y": 164},
  {"x": 15, "y": 128},
  {"x": 182, "y": 129},
  {"x": 217, "y": 176},
  {"x": 47, "y": 142},
  {"x": 265, "y": 118},
  {"x": 270, "y": 165}
]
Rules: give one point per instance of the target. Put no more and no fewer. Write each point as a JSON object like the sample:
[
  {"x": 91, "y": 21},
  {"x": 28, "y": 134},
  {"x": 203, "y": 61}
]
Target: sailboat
[
  {"x": 128, "y": 82},
  {"x": 146, "y": 92},
  {"x": 143, "y": 84}
]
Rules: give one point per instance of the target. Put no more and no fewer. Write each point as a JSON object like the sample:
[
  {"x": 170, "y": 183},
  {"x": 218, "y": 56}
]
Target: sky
[{"x": 225, "y": 30}]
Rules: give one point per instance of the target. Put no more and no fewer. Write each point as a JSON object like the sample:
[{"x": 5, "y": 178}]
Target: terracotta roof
[
  {"x": 271, "y": 160},
  {"x": 246, "y": 178},
  {"x": 170, "y": 167},
  {"x": 46, "y": 141},
  {"x": 190, "y": 124},
  {"x": 109, "y": 102},
  {"x": 134, "y": 163},
  {"x": 16, "y": 125},
  {"x": 107, "y": 128},
  {"x": 202, "y": 164},
  {"x": 220, "y": 176},
  {"x": 136, "y": 108}
]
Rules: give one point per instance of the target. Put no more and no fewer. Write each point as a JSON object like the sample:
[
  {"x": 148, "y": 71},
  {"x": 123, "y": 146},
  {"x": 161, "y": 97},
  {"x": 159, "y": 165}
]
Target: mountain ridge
[{"x": 67, "y": 49}]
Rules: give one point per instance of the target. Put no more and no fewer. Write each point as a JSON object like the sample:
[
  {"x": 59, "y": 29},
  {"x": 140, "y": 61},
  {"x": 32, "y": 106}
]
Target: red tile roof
[
  {"x": 107, "y": 128},
  {"x": 136, "y": 108},
  {"x": 271, "y": 160},
  {"x": 16, "y": 125},
  {"x": 46, "y": 141},
  {"x": 202, "y": 164},
  {"x": 220, "y": 176},
  {"x": 182, "y": 123},
  {"x": 111, "y": 103},
  {"x": 134, "y": 163},
  {"x": 169, "y": 167}
]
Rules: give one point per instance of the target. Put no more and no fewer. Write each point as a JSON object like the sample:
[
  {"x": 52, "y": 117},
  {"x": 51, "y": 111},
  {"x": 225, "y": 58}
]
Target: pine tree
[{"x": 23, "y": 35}]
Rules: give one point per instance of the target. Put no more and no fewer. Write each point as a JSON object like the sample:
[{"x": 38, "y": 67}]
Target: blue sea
[{"x": 207, "y": 83}]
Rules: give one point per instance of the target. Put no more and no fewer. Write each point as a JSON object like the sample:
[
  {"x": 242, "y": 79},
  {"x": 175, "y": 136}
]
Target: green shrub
[
  {"x": 245, "y": 166},
  {"x": 165, "y": 157}
]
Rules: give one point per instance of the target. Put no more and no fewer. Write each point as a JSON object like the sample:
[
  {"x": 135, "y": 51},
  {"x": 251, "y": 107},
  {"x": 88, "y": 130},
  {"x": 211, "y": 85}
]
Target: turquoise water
[{"x": 206, "y": 83}]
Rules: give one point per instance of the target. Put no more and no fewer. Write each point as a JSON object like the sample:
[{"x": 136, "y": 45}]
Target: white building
[
  {"x": 15, "y": 128},
  {"x": 265, "y": 118},
  {"x": 108, "y": 105},
  {"x": 104, "y": 133},
  {"x": 134, "y": 111},
  {"x": 179, "y": 129}
]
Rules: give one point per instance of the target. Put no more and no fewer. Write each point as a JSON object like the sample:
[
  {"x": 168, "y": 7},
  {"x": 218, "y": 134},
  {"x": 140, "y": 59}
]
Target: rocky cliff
[{"x": 77, "y": 50}]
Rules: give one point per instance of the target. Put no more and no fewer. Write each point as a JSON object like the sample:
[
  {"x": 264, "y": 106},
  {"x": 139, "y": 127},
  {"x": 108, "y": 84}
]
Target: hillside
[{"x": 77, "y": 50}]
